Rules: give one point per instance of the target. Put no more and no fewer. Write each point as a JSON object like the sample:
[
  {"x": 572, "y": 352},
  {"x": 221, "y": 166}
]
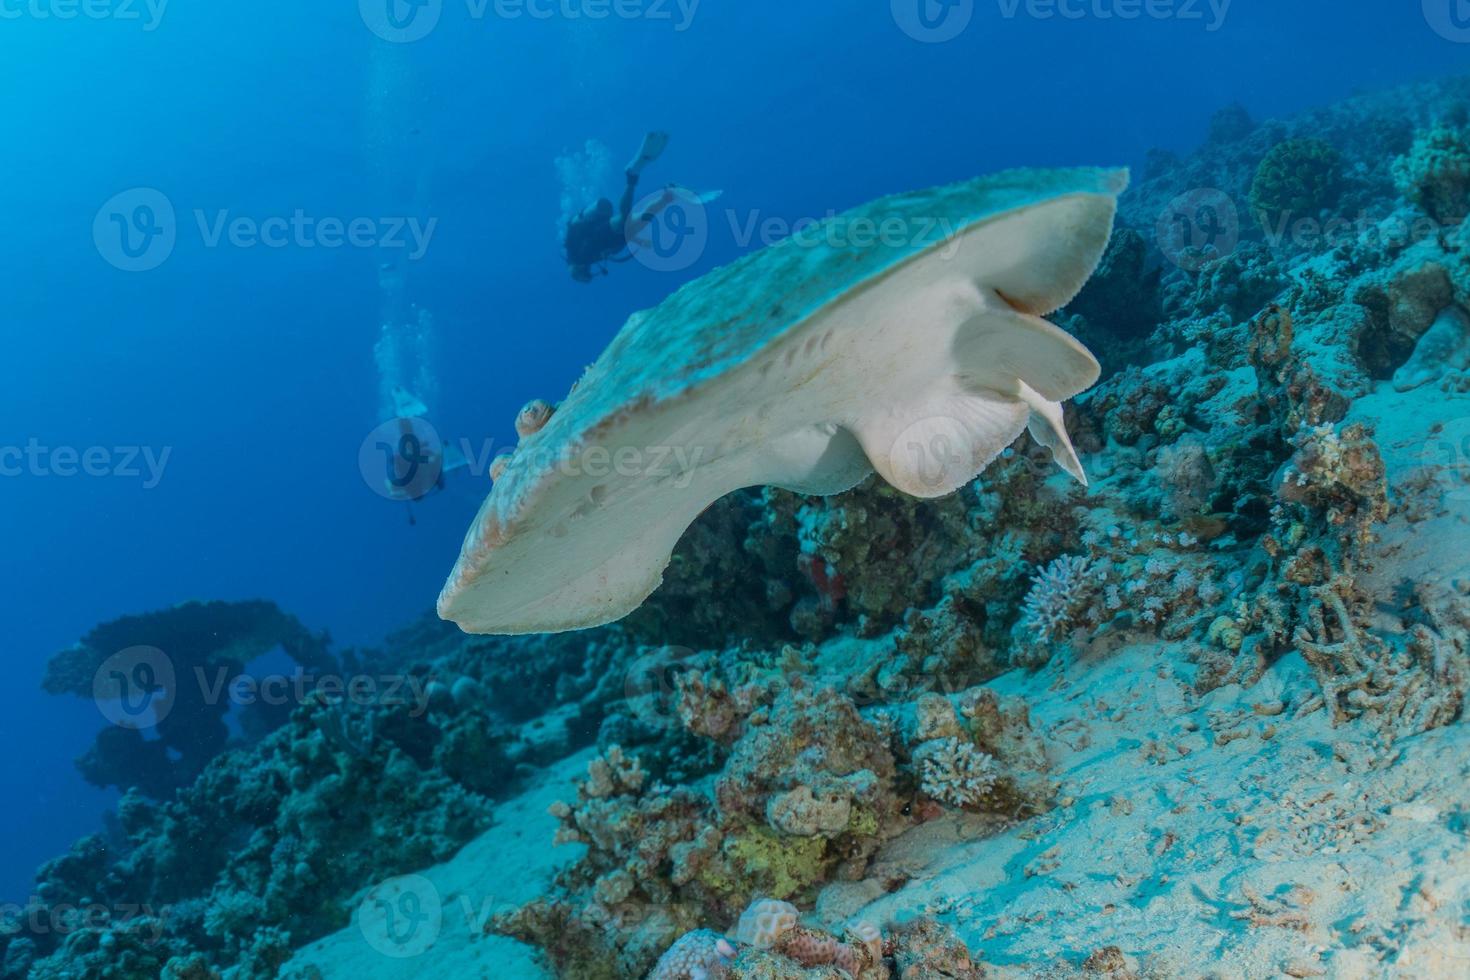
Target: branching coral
[
  {"x": 1406, "y": 690},
  {"x": 955, "y": 772},
  {"x": 1058, "y": 593},
  {"x": 807, "y": 791}
]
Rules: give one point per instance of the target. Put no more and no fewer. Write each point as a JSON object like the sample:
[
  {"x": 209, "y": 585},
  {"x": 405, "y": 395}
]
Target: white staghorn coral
[
  {"x": 1058, "y": 593},
  {"x": 955, "y": 772}
]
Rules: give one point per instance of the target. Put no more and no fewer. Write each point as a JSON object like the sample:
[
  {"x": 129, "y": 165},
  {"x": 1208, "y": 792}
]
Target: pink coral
[
  {"x": 764, "y": 923},
  {"x": 698, "y": 955}
]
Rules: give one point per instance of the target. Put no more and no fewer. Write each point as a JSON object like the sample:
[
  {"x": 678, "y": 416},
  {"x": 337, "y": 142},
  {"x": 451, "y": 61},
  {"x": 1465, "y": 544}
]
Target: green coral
[
  {"x": 1299, "y": 177},
  {"x": 865, "y": 821},
  {"x": 1435, "y": 174},
  {"x": 775, "y": 864}
]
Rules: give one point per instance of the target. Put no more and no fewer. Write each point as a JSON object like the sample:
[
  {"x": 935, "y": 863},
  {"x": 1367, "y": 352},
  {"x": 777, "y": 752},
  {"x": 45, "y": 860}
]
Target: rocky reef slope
[{"x": 1205, "y": 715}]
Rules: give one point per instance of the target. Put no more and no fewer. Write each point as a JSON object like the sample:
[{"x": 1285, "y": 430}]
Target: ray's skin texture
[{"x": 807, "y": 366}]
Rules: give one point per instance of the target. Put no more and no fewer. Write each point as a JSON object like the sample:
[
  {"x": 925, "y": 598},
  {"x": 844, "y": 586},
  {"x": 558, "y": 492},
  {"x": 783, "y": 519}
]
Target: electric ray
[{"x": 905, "y": 336}]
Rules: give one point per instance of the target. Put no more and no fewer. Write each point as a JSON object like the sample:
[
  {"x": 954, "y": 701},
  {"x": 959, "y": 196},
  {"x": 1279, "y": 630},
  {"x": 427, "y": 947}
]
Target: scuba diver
[
  {"x": 600, "y": 235},
  {"x": 416, "y": 459}
]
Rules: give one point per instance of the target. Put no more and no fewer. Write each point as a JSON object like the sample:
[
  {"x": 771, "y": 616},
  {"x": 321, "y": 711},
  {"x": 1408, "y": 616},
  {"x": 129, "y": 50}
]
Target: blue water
[{"x": 253, "y": 368}]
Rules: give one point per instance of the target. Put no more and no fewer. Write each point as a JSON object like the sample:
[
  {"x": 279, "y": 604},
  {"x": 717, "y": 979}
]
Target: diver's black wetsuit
[{"x": 600, "y": 236}]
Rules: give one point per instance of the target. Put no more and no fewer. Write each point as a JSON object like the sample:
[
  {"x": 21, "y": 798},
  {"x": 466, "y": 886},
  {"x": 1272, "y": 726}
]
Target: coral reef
[
  {"x": 267, "y": 847},
  {"x": 1435, "y": 174},
  {"x": 808, "y": 792},
  {"x": 1298, "y": 178},
  {"x": 698, "y": 955},
  {"x": 1209, "y": 707},
  {"x": 770, "y": 943},
  {"x": 1122, "y": 297},
  {"x": 189, "y": 655}
]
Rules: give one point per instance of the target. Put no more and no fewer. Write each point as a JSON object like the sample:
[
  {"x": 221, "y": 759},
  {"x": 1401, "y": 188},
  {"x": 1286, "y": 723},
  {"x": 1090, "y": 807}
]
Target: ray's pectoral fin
[
  {"x": 997, "y": 346},
  {"x": 935, "y": 445},
  {"x": 1052, "y": 249},
  {"x": 820, "y": 460},
  {"x": 1001, "y": 349}
]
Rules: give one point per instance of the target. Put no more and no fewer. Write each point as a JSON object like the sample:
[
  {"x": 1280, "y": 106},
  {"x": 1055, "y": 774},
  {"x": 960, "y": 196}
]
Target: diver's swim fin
[
  {"x": 653, "y": 147},
  {"x": 674, "y": 193},
  {"x": 407, "y": 405}
]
